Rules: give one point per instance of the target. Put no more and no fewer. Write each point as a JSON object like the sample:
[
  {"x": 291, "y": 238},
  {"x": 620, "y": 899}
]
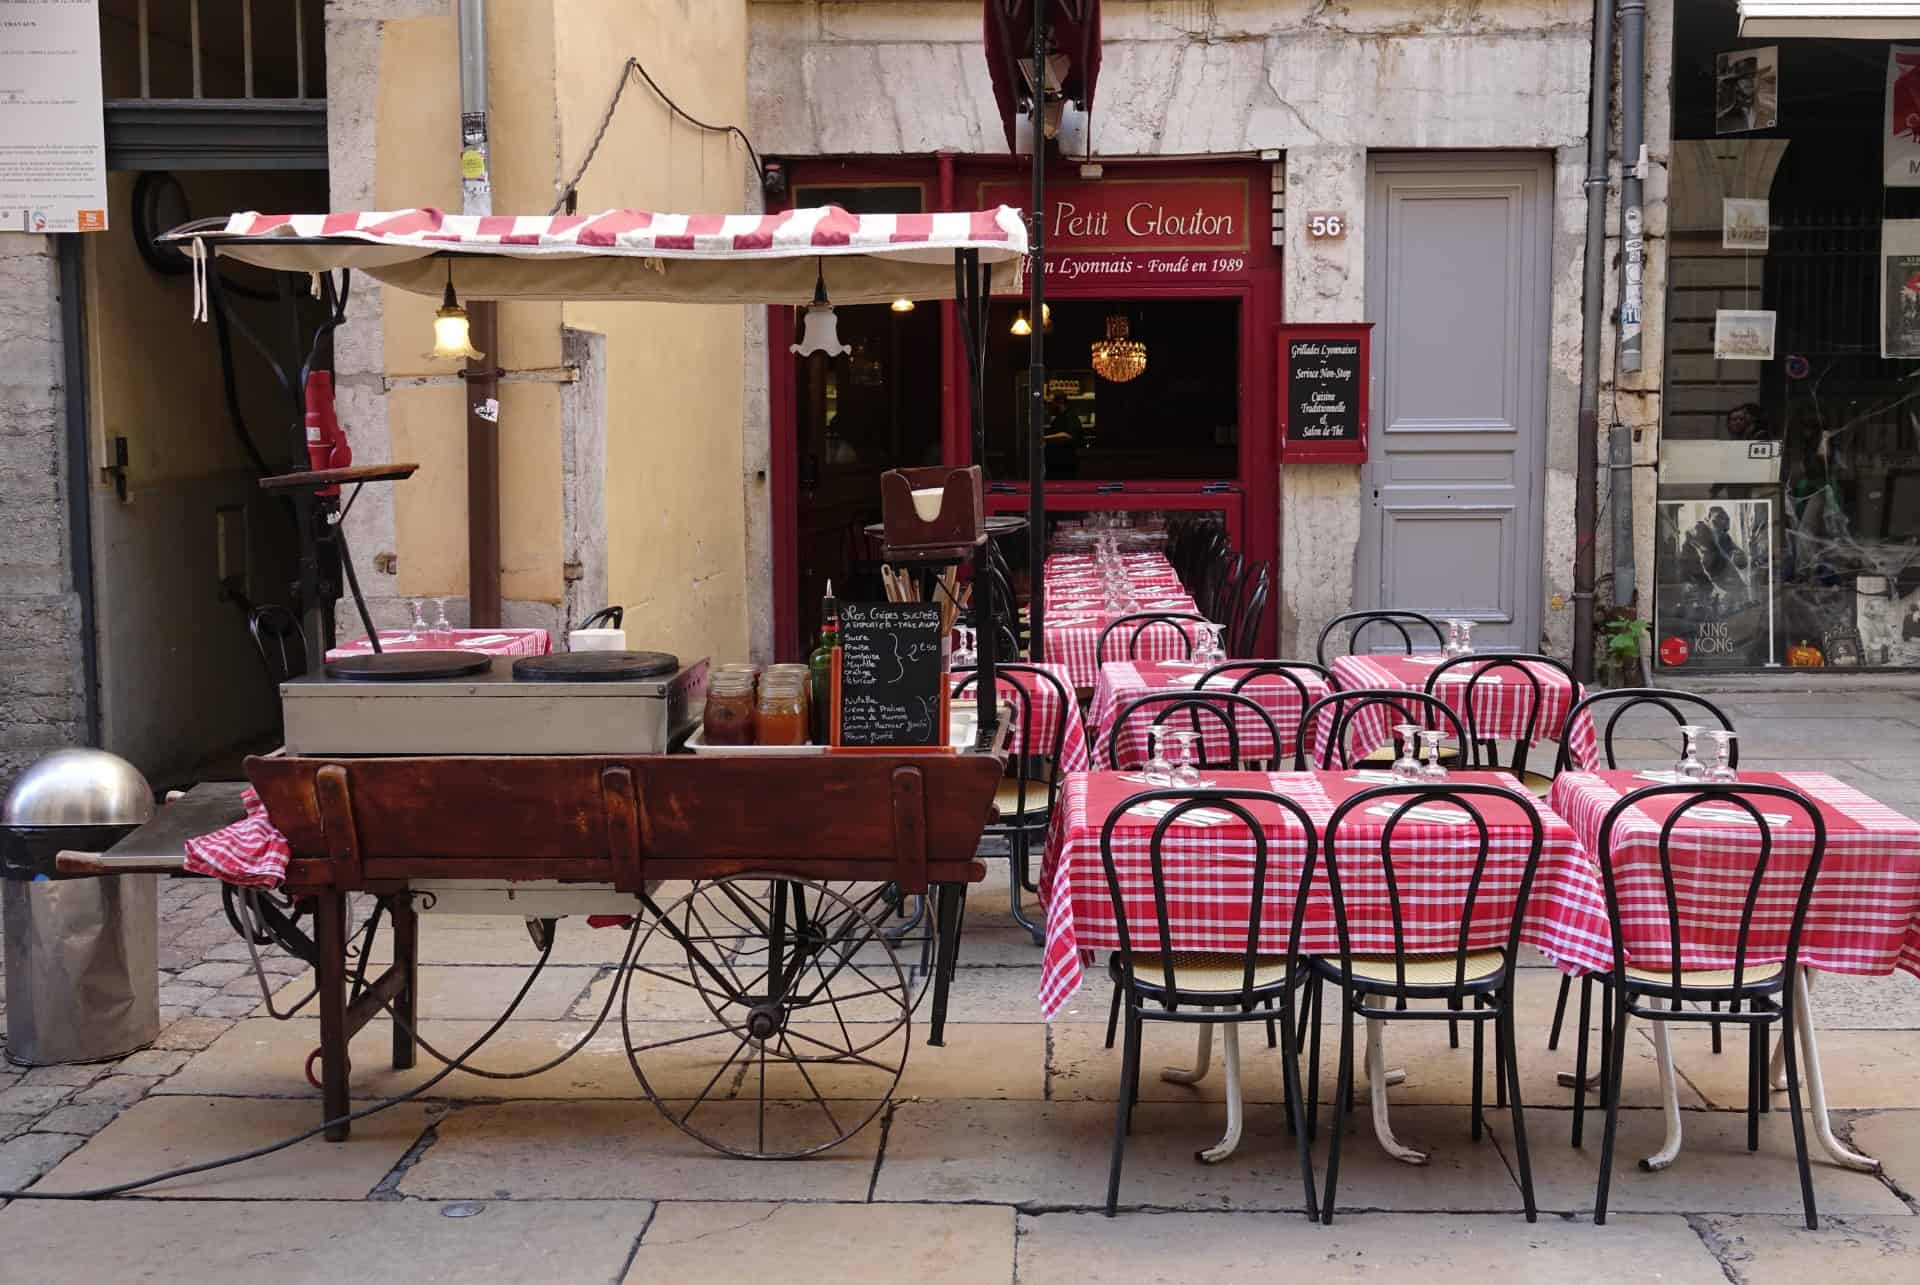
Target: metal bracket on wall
[{"x": 118, "y": 469}]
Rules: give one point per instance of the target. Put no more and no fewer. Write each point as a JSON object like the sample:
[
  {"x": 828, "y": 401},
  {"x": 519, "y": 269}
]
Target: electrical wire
[
  {"x": 627, "y": 72},
  {"x": 186, "y": 1171}
]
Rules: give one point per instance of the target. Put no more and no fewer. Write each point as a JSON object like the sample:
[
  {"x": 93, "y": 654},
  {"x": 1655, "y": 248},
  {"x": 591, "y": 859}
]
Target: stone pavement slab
[
  {"x": 1842, "y": 1002},
  {"x": 477, "y": 991},
  {"x": 1714, "y": 1174},
  {"x": 313, "y": 1242},
  {"x": 1863, "y": 1069},
  {"x": 599, "y": 1150},
  {"x": 1762, "y": 1250},
  {"x": 1258, "y": 1249},
  {"x": 1893, "y": 1138},
  {"x": 168, "y": 1133},
  {"x": 263, "y": 1057},
  {"x": 925, "y": 1244}
]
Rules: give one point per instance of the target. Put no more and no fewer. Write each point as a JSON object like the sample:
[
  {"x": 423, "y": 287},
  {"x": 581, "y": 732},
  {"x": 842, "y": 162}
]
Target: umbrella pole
[
  {"x": 1037, "y": 360},
  {"x": 971, "y": 283}
]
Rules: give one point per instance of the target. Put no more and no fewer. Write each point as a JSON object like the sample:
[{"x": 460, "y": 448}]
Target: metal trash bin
[{"x": 82, "y": 954}]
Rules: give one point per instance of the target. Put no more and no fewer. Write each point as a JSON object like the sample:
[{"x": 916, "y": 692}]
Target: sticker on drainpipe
[{"x": 488, "y": 410}]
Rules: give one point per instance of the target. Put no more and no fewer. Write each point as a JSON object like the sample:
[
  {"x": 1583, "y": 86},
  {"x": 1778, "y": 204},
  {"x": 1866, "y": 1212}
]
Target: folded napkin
[
  {"x": 1158, "y": 808},
  {"x": 250, "y": 853},
  {"x": 1421, "y": 812},
  {"x": 1457, "y": 677},
  {"x": 1711, "y": 812}
]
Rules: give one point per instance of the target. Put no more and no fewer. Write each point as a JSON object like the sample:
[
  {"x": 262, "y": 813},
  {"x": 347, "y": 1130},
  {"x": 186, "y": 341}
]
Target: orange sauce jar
[{"x": 780, "y": 717}]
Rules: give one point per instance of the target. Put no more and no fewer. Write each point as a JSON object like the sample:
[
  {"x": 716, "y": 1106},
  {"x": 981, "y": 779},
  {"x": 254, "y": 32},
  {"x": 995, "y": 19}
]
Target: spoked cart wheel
[{"x": 810, "y": 1006}]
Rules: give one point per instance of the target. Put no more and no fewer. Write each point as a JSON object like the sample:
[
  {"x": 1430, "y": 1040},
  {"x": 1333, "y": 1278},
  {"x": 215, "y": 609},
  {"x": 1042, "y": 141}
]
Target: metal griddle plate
[
  {"x": 594, "y": 666},
  {"x": 409, "y": 666}
]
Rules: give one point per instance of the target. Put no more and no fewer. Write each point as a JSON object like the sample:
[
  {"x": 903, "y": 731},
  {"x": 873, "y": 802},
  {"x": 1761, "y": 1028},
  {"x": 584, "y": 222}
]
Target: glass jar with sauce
[
  {"x": 729, "y": 718},
  {"x": 802, "y": 675},
  {"x": 780, "y": 717}
]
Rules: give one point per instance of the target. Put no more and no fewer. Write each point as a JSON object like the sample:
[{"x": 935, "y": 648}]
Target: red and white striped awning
[{"x": 632, "y": 254}]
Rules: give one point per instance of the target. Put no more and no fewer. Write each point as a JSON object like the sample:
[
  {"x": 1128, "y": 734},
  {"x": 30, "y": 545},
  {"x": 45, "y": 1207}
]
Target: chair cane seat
[
  {"x": 1007, "y": 799},
  {"x": 1207, "y": 972},
  {"x": 1422, "y": 970},
  {"x": 1706, "y": 979}
]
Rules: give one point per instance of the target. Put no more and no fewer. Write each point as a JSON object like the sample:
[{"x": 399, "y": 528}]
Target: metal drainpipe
[
  {"x": 1633, "y": 93},
  {"x": 73, "y": 343},
  {"x": 1037, "y": 351},
  {"x": 481, "y": 375},
  {"x": 1586, "y": 469}
]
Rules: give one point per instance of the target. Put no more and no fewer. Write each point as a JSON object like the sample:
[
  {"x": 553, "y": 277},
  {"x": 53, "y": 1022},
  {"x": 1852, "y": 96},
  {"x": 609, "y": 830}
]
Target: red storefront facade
[{"x": 1183, "y": 252}]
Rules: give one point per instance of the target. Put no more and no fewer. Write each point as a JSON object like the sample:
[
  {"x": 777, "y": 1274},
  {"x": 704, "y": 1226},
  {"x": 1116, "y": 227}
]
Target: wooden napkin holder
[{"x": 952, "y": 534}]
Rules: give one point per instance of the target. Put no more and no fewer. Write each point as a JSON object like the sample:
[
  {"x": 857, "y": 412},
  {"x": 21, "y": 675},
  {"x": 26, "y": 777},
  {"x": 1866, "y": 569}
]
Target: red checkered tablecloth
[
  {"x": 494, "y": 642},
  {"x": 1865, "y": 913},
  {"x": 1123, "y": 681},
  {"x": 1499, "y": 708},
  {"x": 1209, "y": 873},
  {"x": 1047, "y": 711},
  {"x": 1076, "y": 612}
]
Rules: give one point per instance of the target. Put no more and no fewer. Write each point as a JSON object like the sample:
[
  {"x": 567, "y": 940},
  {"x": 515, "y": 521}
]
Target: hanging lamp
[
  {"x": 452, "y": 336},
  {"x": 1118, "y": 357},
  {"x": 820, "y": 329}
]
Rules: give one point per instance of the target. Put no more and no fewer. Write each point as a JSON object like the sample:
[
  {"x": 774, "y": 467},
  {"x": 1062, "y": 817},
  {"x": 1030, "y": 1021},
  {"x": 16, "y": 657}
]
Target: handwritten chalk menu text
[
  {"x": 891, "y": 674},
  {"x": 1323, "y": 392}
]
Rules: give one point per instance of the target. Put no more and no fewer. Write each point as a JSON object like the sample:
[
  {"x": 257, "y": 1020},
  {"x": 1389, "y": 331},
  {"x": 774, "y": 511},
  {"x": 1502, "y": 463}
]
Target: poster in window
[
  {"x": 1713, "y": 600},
  {"x": 1742, "y": 335},
  {"x": 1900, "y": 129},
  {"x": 1888, "y": 620},
  {"x": 1743, "y": 224},
  {"x": 1900, "y": 288},
  {"x": 1746, "y": 90}
]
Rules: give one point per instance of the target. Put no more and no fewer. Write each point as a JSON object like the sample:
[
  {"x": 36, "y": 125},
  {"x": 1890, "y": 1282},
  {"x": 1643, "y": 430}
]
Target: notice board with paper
[{"x": 890, "y": 686}]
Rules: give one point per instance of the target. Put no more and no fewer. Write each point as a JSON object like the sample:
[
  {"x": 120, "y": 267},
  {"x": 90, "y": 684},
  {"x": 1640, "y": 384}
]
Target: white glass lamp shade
[{"x": 820, "y": 332}]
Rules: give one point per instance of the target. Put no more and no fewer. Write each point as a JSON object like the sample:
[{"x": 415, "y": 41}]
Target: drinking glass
[
  {"x": 1466, "y": 638},
  {"x": 1407, "y": 767},
  {"x": 1452, "y": 645},
  {"x": 1186, "y": 759},
  {"x": 1430, "y": 744},
  {"x": 1158, "y": 770},
  {"x": 416, "y": 631},
  {"x": 963, "y": 655},
  {"x": 442, "y": 632},
  {"x": 1722, "y": 772},
  {"x": 1689, "y": 768}
]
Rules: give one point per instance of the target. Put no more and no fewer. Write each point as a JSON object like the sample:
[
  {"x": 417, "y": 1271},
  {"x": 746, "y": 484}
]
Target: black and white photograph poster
[
  {"x": 1900, "y": 288},
  {"x": 1713, "y": 603},
  {"x": 1743, "y": 335},
  {"x": 1746, "y": 90},
  {"x": 1888, "y": 621},
  {"x": 1900, "y": 141},
  {"x": 1743, "y": 224}
]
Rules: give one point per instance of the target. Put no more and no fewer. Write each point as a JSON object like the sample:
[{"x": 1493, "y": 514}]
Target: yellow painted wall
[
  {"x": 675, "y": 507},
  {"x": 676, "y": 524},
  {"x": 417, "y": 111}
]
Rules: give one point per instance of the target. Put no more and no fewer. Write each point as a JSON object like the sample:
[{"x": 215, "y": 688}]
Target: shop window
[
  {"x": 1177, "y": 419},
  {"x": 1787, "y": 522}
]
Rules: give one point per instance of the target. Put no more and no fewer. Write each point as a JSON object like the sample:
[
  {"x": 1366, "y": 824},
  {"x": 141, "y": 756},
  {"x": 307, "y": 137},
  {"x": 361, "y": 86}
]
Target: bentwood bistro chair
[
  {"x": 1468, "y": 985},
  {"x": 1660, "y": 994},
  {"x": 1226, "y": 987},
  {"x": 1134, "y": 626},
  {"x": 1026, "y": 797},
  {"x": 1517, "y": 670},
  {"x": 1237, "y": 675},
  {"x": 1408, "y": 624},
  {"x": 1624, "y": 700}
]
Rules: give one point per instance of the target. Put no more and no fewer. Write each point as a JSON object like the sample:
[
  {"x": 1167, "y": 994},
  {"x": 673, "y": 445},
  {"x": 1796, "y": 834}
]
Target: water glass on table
[
  {"x": 1430, "y": 771},
  {"x": 1158, "y": 769},
  {"x": 1689, "y": 767},
  {"x": 1407, "y": 767},
  {"x": 1722, "y": 772},
  {"x": 1186, "y": 759}
]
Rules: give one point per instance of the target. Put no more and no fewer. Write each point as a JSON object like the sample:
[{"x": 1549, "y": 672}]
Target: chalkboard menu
[
  {"x": 892, "y": 681},
  {"x": 1323, "y": 391}
]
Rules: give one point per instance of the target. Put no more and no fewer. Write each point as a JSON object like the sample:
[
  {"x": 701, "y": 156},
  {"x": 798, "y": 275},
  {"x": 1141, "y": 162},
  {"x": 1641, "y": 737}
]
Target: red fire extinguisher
[{"x": 326, "y": 441}]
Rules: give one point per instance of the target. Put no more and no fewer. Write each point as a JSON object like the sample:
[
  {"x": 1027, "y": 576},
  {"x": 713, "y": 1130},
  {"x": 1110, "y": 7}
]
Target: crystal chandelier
[{"x": 1117, "y": 357}]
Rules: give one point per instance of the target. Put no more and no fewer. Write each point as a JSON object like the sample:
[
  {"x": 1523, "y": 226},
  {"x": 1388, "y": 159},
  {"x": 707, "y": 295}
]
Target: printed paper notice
[{"x": 53, "y": 145}]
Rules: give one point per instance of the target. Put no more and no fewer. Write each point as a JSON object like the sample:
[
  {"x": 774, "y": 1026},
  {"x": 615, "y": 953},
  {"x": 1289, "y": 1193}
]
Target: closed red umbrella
[{"x": 1074, "y": 61}]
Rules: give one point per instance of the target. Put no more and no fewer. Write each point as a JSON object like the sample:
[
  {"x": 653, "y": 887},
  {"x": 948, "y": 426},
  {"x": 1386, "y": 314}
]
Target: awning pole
[
  {"x": 971, "y": 283},
  {"x": 1037, "y": 345}
]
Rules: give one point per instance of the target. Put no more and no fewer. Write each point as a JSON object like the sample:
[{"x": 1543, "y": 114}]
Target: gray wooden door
[{"x": 1457, "y": 288}]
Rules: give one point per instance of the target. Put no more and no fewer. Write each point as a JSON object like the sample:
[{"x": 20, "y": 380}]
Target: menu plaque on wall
[
  {"x": 890, "y": 688},
  {"x": 1324, "y": 393}
]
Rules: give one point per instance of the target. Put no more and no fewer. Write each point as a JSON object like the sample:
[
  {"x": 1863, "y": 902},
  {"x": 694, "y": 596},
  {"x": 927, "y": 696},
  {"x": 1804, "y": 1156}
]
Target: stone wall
[
  {"x": 1322, "y": 83},
  {"x": 41, "y": 704}
]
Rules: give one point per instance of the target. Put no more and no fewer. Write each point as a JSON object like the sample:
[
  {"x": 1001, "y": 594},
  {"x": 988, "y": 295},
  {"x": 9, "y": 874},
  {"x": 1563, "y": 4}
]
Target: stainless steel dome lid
[{"x": 78, "y": 787}]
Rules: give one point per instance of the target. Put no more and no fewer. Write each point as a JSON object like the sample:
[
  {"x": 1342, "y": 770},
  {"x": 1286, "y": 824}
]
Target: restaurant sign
[
  {"x": 1324, "y": 393},
  {"x": 1138, "y": 230}
]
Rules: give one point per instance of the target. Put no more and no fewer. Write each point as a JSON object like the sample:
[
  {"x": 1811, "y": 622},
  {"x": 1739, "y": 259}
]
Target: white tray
[{"x": 698, "y": 744}]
